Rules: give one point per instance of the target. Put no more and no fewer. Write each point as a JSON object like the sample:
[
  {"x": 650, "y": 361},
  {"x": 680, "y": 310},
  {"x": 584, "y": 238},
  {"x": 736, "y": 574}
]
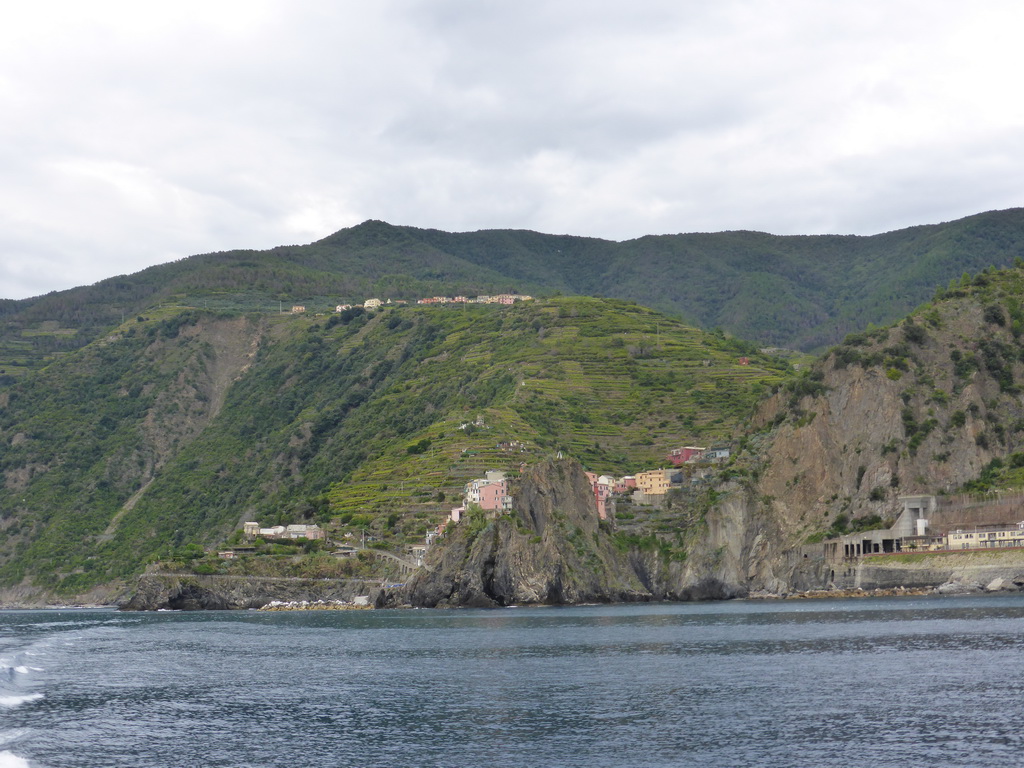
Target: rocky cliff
[
  {"x": 927, "y": 406},
  {"x": 551, "y": 550}
]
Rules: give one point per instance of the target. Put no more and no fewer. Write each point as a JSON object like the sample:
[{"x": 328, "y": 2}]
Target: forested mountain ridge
[{"x": 801, "y": 292}]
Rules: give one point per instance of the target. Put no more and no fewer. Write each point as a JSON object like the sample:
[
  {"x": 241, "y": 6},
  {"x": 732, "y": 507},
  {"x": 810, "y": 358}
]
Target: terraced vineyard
[{"x": 610, "y": 382}]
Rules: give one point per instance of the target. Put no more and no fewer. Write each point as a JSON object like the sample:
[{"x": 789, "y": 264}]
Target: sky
[{"x": 136, "y": 133}]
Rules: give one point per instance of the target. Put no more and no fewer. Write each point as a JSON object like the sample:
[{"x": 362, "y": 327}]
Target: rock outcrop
[{"x": 551, "y": 550}]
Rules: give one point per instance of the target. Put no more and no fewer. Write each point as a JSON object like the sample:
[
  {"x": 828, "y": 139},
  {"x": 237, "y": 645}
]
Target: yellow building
[{"x": 654, "y": 482}]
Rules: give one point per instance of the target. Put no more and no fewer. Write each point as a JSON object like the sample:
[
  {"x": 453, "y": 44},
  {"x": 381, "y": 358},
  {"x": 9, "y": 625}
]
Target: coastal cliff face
[
  {"x": 922, "y": 407},
  {"x": 551, "y": 550}
]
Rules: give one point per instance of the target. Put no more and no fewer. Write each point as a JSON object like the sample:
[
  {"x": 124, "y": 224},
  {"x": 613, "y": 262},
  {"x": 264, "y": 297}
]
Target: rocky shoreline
[
  {"x": 189, "y": 592},
  {"x": 179, "y": 592},
  {"x": 319, "y": 605},
  {"x": 210, "y": 600}
]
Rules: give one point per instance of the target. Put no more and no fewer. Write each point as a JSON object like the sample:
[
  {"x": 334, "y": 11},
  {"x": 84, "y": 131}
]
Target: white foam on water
[
  {"x": 10, "y": 702},
  {"x": 11, "y": 760}
]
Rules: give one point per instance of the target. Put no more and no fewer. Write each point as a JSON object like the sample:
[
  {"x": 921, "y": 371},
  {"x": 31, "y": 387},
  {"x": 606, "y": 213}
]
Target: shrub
[
  {"x": 993, "y": 315},
  {"x": 915, "y": 334}
]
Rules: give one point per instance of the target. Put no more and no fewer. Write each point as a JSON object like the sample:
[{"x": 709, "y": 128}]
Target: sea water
[{"x": 858, "y": 682}]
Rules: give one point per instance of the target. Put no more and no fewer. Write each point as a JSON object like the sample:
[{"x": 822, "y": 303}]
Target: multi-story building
[
  {"x": 489, "y": 492},
  {"x": 654, "y": 482}
]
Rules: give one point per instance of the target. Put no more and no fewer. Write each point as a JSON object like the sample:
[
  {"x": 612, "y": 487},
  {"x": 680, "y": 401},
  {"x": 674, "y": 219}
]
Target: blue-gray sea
[{"x": 861, "y": 682}]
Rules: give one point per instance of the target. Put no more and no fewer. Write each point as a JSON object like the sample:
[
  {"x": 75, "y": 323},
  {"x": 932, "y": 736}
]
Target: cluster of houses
[
  {"x": 312, "y": 532},
  {"x": 691, "y": 454},
  {"x": 491, "y": 492},
  {"x": 501, "y": 298},
  {"x": 650, "y": 486}
]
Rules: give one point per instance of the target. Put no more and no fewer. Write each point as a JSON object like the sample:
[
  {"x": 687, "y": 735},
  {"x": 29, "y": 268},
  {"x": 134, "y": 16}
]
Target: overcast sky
[{"x": 137, "y": 133}]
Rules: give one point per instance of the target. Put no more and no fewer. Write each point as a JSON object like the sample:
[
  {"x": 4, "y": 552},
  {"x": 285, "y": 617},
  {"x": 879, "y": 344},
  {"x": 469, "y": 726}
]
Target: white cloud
[{"x": 135, "y": 134}]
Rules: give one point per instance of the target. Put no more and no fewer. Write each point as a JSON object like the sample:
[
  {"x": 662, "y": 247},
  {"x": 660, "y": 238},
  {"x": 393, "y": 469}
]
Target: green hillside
[
  {"x": 180, "y": 424},
  {"x": 794, "y": 292}
]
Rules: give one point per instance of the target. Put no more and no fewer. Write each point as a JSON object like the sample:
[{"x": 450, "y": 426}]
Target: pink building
[
  {"x": 492, "y": 495},
  {"x": 624, "y": 484},
  {"x": 490, "y": 492},
  {"x": 683, "y": 455},
  {"x": 602, "y": 487}
]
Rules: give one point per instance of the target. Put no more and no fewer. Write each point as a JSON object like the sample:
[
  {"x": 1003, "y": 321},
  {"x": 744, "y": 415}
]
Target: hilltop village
[{"x": 504, "y": 299}]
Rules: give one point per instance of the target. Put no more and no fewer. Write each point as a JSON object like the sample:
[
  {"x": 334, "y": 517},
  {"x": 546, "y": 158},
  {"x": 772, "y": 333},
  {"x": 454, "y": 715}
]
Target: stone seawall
[{"x": 975, "y": 570}]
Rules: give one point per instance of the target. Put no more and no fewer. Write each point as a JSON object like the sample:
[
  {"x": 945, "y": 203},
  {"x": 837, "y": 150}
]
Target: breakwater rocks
[
  {"x": 939, "y": 573},
  {"x": 185, "y": 592}
]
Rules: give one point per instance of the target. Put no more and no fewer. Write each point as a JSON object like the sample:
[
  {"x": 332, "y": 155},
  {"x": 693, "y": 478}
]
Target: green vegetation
[
  {"x": 175, "y": 429},
  {"x": 144, "y": 418},
  {"x": 794, "y": 292},
  {"x": 999, "y": 474},
  {"x": 843, "y": 525}
]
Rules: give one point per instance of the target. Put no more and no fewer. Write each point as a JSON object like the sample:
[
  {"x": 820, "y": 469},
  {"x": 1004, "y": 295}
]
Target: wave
[
  {"x": 10, "y": 702},
  {"x": 11, "y": 760}
]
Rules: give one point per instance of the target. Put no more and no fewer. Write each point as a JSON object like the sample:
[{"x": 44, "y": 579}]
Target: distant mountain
[{"x": 800, "y": 292}]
